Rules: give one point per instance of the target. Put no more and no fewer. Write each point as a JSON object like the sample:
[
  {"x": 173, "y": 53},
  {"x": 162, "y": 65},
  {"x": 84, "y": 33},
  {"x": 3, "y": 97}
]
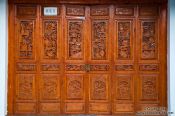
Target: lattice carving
[
  {"x": 50, "y": 39},
  {"x": 124, "y": 42},
  {"x": 99, "y": 39},
  {"x": 148, "y": 40},
  {"x": 26, "y": 39},
  {"x": 75, "y": 40}
]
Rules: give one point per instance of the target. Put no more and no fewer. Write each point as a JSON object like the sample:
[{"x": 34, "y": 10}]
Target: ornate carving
[
  {"x": 50, "y": 87},
  {"x": 99, "y": 87},
  {"x": 75, "y": 40},
  {"x": 26, "y": 11},
  {"x": 99, "y": 11},
  {"x": 50, "y": 67},
  {"x": 99, "y": 67},
  {"x": 148, "y": 40},
  {"x": 26, "y": 67},
  {"x": 50, "y": 39},
  {"x": 75, "y": 67},
  {"x": 124, "y": 11},
  {"x": 124, "y": 88},
  {"x": 75, "y": 87},
  {"x": 124, "y": 42},
  {"x": 26, "y": 39},
  {"x": 149, "y": 90},
  {"x": 149, "y": 67},
  {"x": 75, "y": 11},
  {"x": 25, "y": 87},
  {"x": 99, "y": 39},
  {"x": 124, "y": 67}
]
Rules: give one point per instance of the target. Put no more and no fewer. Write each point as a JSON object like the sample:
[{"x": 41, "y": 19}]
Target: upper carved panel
[
  {"x": 124, "y": 11},
  {"x": 26, "y": 11},
  {"x": 99, "y": 11},
  {"x": 75, "y": 40},
  {"x": 75, "y": 10},
  {"x": 99, "y": 39},
  {"x": 148, "y": 44},
  {"x": 50, "y": 39},
  {"x": 124, "y": 40},
  {"x": 26, "y": 39}
]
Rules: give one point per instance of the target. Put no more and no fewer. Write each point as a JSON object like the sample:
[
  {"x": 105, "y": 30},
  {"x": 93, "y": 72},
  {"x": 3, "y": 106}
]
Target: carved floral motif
[
  {"x": 124, "y": 47},
  {"x": 99, "y": 67},
  {"x": 99, "y": 11},
  {"x": 50, "y": 67},
  {"x": 124, "y": 11},
  {"x": 26, "y": 39},
  {"x": 148, "y": 40},
  {"x": 124, "y": 67},
  {"x": 75, "y": 40},
  {"x": 75, "y": 67},
  {"x": 149, "y": 67},
  {"x": 50, "y": 39},
  {"x": 25, "y": 67},
  {"x": 75, "y": 11},
  {"x": 99, "y": 40}
]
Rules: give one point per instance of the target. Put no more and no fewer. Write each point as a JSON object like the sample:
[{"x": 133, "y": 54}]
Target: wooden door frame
[{"x": 11, "y": 53}]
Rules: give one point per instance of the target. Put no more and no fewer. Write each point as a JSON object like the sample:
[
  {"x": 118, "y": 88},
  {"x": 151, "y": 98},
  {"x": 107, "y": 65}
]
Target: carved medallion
[
  {"x": 50, "y": 87},
  {"x": 148, "y": 40},
  {"x": 149, "y": 86},
  {"x": 26, "y": 87},
  {"x": 123, "y": 88},
  {"x": 74, "y": 87},
  {"x": 50, "y": 39},
  {"x": 124, "y": 42},
  {"x": 99, "y": 11},
  {"x": 75, "y": 40},
  {"x": 98, "y": 87},
  {"x": 99, "y": 40},
  {"x": 26, "y": 39}
]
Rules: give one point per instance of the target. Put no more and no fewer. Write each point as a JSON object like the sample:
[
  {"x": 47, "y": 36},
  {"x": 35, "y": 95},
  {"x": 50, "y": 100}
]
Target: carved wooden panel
[
  {"x": 26, "y": 67},
  {"x": 75, "y": 67},
  {"x": 75, "y": 108},
  {"x": 26, "y": 39},
  {"x": 99, "y": 108},
  {"x": 123, "y": 107},
  {"x": 75, "y": 87},
  {"x": 149, "y": 67},
  {"x": 99, "y": 40},
  {"x": 75, "y": 40},
  {"x": 22, "y": 108},
  {"x": 149, "y": 87},
  {"x": 50, "y": 67},
  {"x": 99, "y": 87},
  {"x": 50, "y": 39},
  {"x": 148, "y": 40},
  {"x": 25, "y": 87},
  {"x": 99, "y": 67},
  {"x": 75, "y": 10},
  {"x": 26, "y": 11},
  {"x": 123, "y": 87},
  {"x": 53, "y": 108},
  {"x": 124, "y": 11},
  {"x": 100, "y": 11},
  {"x": 124, "y": 40},
  {"x": 50, "y": 87},
  {"x": 148, "y": 11},
  {"x": 124, "y": 67}
]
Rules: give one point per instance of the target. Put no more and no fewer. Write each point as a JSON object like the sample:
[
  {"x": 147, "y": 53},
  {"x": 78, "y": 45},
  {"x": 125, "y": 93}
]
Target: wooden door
[{"x": 87, "y": 59}]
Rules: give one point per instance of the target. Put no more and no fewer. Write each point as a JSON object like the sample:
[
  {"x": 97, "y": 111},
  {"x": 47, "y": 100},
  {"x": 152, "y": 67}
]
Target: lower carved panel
[
  {"x": 75, "y": 87},
  {"x": 22, "y": 108},
  {"x": 99, "y": 87},
  {"x": 75, "y": 107},
  {"x": 123, "y": 107},
  {"x": 103, "y": 108},
  {"x": 50, "y": 87},
  {"x": 50, "y": 108}
]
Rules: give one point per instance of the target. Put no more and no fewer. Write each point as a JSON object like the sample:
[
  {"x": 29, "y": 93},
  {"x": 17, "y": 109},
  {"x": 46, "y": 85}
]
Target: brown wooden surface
[{"x": 89, "y": 59}]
